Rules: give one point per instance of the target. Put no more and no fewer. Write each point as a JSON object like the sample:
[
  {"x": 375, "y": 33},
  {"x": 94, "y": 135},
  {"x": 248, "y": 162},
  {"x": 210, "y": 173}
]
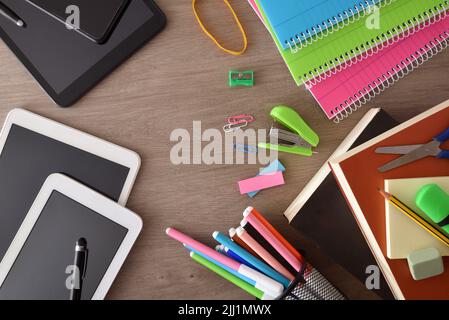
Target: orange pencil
[{"x": 277, "y": 235}]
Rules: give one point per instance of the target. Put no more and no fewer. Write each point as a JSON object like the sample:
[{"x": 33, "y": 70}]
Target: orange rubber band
[{"x": 239, "y": 24}]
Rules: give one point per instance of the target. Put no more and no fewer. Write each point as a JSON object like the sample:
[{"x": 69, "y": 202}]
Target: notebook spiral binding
[
  {"x": 373, "y": 46},
  {"x": 341, "y": 20},
  {"x": 392, "y": 76}
]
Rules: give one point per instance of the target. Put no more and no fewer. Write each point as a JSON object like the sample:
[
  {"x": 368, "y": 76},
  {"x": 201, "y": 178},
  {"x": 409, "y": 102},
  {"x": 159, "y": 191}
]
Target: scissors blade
[
  {"x": 429, "y": 149},
  {"x": 398, "y": 149}
]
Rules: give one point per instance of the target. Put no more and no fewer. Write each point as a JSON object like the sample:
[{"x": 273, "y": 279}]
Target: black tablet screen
[
  {"x": 26, "y": 161},
  {"x": 60, "y": 55},
  {"x": 96, "y": 17},
  {"x": 42, "y": 268}
]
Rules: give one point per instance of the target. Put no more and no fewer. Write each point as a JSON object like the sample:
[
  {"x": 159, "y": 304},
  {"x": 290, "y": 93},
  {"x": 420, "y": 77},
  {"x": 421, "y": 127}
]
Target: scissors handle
[
  {"x": 444, "y": 154},
  {"x": 443, "y": 136}
]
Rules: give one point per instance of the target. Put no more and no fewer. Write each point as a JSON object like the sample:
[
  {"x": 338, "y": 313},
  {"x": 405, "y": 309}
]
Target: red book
[{"x": 357, "y": 174}]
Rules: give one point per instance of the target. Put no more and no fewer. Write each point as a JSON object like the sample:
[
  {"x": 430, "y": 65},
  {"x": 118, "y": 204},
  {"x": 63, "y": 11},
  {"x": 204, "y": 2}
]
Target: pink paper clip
[{"x": 241, "y": 119}]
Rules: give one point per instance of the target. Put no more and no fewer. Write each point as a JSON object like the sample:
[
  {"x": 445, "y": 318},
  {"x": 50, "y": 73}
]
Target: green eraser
[
  {"x": 434, "y": 202},
  {"x": 425, "y": 263}
]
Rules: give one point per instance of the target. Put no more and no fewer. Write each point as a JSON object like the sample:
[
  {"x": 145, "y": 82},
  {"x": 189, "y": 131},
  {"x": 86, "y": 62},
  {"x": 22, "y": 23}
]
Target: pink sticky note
[{"x": 261, "y": 182}]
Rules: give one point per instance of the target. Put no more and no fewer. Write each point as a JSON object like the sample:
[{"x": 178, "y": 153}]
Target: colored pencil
[
  {"x": 233, "y": 235},
  {"x": 266, "y": 256},
  {"x": 223, "y": 250},
  {"x": 230, "y": 277},
  {"x": 403, "y": 208},
  {"x": 234, "y": 256},
  {"x": 220, "y": 248},
  {"x": 235, "y": 273},
  {"x": 294, "y": 262},
  {"x": 266, "y": 245},
  {"x": 262, "y": 266},
  {"x": 268, "y": 225},
  {"x": 263, "y": 282}
]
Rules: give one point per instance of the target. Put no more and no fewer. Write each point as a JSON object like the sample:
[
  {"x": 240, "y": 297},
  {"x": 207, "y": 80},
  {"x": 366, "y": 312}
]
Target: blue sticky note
[{"x": 276, "y": 165}]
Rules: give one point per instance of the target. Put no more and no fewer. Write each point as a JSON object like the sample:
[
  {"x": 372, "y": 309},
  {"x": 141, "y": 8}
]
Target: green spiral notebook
[{"x": 356, "y": 39}]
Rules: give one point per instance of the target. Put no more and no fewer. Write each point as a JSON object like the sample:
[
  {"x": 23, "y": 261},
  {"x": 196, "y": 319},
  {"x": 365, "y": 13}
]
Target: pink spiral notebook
[
  {"x": 256, "y": 10},
  {"x": 347, "y": 90}
]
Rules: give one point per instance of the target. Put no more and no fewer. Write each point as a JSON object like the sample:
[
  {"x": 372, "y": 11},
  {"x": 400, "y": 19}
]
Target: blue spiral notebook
[{"x": 298, "y": 22}]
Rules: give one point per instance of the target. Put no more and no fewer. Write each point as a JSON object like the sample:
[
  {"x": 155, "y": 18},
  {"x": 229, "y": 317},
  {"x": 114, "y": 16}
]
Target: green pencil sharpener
[
  {"x": 241, "y": 78},
  {"x": 434, "y": 202}
]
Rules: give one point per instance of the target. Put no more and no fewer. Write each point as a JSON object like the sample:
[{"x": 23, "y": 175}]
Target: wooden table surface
[{"x": 180, "y": 77}]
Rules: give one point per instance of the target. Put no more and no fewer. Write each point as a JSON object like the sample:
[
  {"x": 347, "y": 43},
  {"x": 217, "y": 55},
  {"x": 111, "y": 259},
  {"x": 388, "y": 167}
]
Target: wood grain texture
[{"x": 179, "y": 77}]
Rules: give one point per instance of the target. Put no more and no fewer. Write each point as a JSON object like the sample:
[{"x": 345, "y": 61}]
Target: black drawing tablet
[
  {"x": 97, "y": 18},
  {"x": 67, "y": 64}
]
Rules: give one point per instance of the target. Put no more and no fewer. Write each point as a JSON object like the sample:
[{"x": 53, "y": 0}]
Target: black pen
[
  {"x": 80, "y": 264},
  {"x": 10, "y": 15}
]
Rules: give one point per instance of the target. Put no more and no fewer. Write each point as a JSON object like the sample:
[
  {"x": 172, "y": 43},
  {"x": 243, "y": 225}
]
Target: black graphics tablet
[
  {"x": 67, "y": 64},
  {"x": 97, "y": 18}
]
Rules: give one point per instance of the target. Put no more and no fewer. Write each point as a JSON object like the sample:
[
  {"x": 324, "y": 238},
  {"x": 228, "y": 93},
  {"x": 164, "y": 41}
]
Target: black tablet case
[
  {"x": 328, "y": 221},
  {"x": 48, "y": 49}
]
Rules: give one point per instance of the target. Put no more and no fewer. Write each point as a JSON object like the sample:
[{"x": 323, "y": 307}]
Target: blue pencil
[
  {"x": 236, "y": 257},
  {"x": 260, "y": 265},
  {"x": 222, "y": 249}
]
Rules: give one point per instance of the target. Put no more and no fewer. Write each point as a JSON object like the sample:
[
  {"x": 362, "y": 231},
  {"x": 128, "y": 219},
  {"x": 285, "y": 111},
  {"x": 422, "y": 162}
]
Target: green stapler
[{"x": 299, "y": 140}]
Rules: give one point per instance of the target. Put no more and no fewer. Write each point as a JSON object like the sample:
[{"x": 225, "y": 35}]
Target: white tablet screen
[
  {"x": 26, "y": 161},
  {"x": 39, "y": 272}
]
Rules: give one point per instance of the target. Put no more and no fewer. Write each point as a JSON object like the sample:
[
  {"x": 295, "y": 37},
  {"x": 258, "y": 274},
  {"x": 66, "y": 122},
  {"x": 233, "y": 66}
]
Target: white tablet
[
  {"x": 33, "y": 147},
  {"x": 37, "y": 264}
]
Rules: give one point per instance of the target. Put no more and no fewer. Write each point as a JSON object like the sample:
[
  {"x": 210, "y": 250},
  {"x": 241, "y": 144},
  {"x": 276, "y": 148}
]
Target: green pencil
[{"x": 230, "y": 277}]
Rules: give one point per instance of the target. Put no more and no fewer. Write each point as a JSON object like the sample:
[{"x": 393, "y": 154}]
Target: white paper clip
[{"x": 232, "y": 127}]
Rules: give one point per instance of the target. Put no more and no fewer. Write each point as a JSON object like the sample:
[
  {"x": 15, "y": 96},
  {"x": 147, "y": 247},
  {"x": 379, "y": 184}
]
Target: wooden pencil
[{"x": 402, "y": 207}]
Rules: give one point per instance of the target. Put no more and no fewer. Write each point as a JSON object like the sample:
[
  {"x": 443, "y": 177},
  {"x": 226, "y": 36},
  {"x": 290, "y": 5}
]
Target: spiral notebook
[
  {"x": 348, "y": 89},
  {"x": 356, "y": 40},
  {"x": 299, "y": 23},
  {"x": 256, "y": 10}
]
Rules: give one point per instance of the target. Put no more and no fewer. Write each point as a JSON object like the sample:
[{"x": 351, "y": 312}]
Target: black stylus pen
[
  {"x": 10, "y": 15},
  {"x": 80, "y": 264}
]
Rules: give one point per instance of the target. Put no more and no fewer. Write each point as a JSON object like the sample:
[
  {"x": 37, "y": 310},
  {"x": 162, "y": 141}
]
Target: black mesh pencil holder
[{"x": 310, "y": 284}]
